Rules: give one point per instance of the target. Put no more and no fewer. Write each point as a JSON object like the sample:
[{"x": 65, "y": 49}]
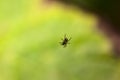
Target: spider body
[{"x": 65, "y": 41}]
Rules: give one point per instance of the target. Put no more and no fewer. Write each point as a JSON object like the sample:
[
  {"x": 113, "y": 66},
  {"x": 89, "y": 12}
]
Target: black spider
[{"x": 65, "y": 41}]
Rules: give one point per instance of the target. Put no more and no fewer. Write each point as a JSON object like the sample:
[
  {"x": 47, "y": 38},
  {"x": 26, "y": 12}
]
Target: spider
[{"x": 65, "y": 41}]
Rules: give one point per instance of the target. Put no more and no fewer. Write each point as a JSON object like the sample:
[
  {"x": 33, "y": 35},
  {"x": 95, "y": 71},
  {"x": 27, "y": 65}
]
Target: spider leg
[
  {"x": 69, "y": 39},
  {"x": 65, "y": 46},
  {"x": 60, "y": 42},
  {"x": 65, "y": 36}
]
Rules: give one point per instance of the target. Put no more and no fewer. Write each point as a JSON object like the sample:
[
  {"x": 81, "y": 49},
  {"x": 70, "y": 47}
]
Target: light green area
[{"x": 30, "y": 49}]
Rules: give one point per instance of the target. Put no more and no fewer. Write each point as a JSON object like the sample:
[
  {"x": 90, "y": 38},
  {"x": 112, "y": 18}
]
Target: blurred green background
[{"x": 30, "y": 32}]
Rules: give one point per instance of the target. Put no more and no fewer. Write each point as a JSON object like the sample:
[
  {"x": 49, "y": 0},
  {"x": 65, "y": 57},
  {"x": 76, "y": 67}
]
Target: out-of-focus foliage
[{"x": 30, "y": 32}]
